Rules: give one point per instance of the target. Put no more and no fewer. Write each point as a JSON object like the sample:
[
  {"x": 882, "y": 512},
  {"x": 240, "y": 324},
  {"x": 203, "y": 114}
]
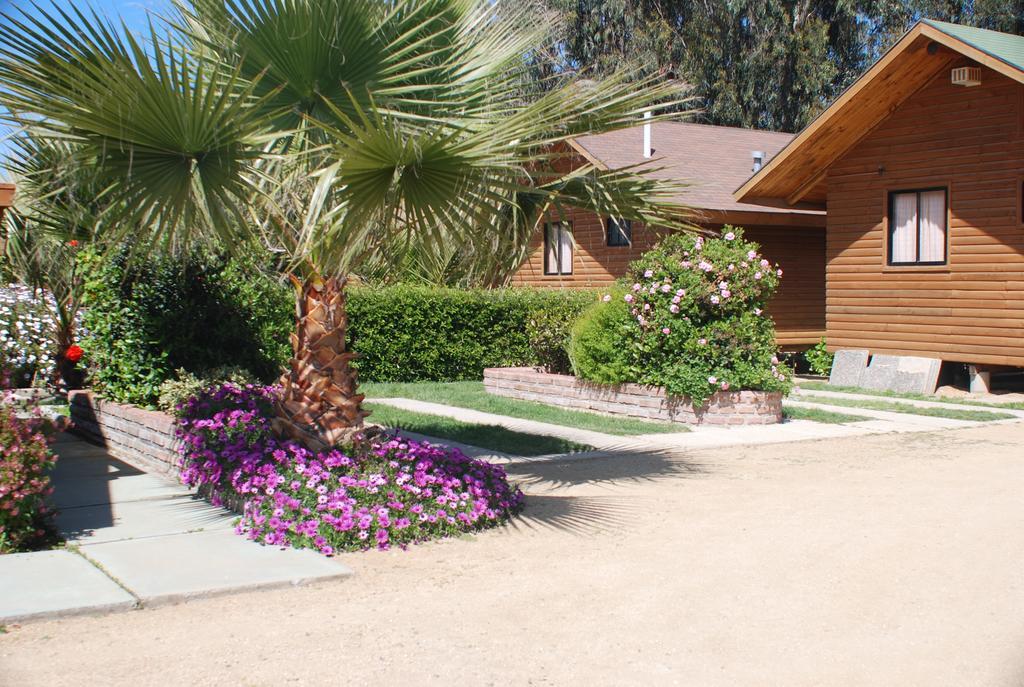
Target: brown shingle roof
[{"x": 713, "y": 160}]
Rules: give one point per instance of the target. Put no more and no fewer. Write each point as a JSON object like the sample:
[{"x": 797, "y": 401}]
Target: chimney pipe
[
  {"x": 758, "y": 160},
  {"x": 647, "y": 134}
]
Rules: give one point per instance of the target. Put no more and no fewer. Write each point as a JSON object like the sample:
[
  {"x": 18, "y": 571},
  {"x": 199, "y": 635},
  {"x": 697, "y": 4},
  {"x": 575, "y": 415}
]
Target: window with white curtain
[
  {"x": 917, "y": 227},
  {"x": 558, "y": 248}
]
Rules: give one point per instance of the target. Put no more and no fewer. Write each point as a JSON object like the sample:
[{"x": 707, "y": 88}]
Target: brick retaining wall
[
  {"x": 128, "y": 432},
  {"x": 728, "y": 408}
]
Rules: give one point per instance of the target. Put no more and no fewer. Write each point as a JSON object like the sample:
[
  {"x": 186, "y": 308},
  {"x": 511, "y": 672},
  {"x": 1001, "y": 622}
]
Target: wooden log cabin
[
  {"x": 582, "y": 249},
  {"x": 920, "y": 164}
]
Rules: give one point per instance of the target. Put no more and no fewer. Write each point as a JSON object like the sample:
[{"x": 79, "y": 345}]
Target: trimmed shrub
[
  {"x": 691, "y": 320},
  {"x": 25, "y": 464},
  {"x": 382, "y": 493},
  {"x": 819, "y": 360},
  {"x": 416, "y": 333},
  {"x": 596, "y": 348},
  {"x": 196, "y": 313}
]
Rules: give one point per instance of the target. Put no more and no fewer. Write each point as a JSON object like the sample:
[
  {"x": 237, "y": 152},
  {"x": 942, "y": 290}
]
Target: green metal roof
[{"x": 1005, "y": 47}]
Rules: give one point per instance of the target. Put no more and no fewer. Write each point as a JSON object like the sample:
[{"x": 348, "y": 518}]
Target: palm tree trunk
[{"x": 319, "y": 406}]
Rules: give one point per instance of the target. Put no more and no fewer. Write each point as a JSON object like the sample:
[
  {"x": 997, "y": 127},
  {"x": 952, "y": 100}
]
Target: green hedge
[
  {"x": 185, "y": 317},
  {"x": 414, "y": 333}
]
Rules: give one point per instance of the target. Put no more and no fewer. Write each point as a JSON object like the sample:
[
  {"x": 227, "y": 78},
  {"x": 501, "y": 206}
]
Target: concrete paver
[
  {"x": 175, "y": 567},
  {"x": 140, "y": 538},
  {"x": 88, "y": 525},
  {"x": 45, "y": 583}
]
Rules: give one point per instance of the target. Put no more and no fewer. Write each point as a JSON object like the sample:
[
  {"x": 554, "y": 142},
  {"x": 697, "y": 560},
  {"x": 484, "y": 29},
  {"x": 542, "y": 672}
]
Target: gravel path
[{"x": 889, "y": 559}]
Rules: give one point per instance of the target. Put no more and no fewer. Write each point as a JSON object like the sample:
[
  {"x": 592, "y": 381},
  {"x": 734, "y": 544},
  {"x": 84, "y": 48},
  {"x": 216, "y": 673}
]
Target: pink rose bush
[
  {"x": 382, "y": 493},
  {"x": 692, "y": 321}
]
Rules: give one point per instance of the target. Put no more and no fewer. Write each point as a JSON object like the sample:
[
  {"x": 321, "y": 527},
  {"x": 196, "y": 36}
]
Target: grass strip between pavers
[
  {"x": 893, "y": 407},
  {"x": 819, "y": 415},
  {"x": 825, "y": 386},
  {"x": 491, "y": 437},
  {"x": 473, "y": 396}
]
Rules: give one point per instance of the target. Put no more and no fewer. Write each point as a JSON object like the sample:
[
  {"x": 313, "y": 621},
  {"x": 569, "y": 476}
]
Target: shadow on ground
[{"x": 608, "y": 468}]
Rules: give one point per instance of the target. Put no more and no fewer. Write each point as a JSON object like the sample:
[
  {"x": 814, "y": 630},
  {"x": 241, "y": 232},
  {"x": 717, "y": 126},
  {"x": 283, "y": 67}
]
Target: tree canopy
[{"x": 766, "y": 64}]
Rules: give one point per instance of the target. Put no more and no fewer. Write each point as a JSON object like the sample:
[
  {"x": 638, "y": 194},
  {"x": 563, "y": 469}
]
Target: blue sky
[{"x": 133, "y": 12}]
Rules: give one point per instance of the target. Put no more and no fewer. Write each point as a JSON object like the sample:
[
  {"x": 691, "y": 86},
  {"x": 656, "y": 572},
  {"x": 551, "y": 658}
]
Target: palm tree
[{"x": 331, "y": 130}]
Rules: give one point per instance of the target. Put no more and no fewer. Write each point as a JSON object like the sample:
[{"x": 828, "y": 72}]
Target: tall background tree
[{"x": 766, "y": 64}]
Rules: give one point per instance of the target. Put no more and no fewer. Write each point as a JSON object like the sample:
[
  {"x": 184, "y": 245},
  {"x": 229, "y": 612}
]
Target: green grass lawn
[
  {"x": 473, "y": 396},
  {"x": 819, "y": 415},
  {"x": 825, "y": 386},
  {"x": 893, "y": 407},
  {"x": 490, "y": 437}
]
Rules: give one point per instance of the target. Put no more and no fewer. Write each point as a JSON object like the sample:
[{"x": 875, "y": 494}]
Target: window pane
[
  {"x": 619, "y": 231},
  {"x": 904, "y": 228},
  {"x": 933, "y": 226},
  {"x": 551, "y": 248},
  {"x": 565, "y": 257}
]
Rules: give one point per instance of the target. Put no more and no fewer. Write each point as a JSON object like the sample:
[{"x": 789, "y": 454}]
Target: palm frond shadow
[
  {"x": 609, "y": 468},
  {"x": 582, "y": 516}
]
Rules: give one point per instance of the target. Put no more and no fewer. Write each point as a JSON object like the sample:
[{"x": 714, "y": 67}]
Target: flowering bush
[
  {"x": 25, "y": 463},
  {"x": 26, "y": 335},
  {"x": 691, "y": 319},
  {"x": 384, "y": 493}
]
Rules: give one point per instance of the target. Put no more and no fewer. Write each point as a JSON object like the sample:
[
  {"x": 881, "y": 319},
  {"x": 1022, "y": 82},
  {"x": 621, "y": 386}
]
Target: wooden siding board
[{"x": 972, "y": 309}]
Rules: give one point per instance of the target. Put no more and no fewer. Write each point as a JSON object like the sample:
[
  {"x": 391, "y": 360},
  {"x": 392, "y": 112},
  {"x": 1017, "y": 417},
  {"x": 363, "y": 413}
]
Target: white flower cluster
[{"x": 26, "y": 333}]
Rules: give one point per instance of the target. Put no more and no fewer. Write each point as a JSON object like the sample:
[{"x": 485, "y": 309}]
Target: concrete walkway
[
  {"x": 699, "y": 437},
  {"x": 139, "y": 539},
  {"x": 810, "y": 394}
]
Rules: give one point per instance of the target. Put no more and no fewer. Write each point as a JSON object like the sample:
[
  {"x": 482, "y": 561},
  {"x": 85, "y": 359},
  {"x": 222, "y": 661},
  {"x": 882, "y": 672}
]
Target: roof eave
[{"x": 749, "y": 191}]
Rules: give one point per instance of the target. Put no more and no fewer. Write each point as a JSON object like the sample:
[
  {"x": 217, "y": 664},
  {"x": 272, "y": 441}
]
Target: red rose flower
[
  {"x": 74, "y": 353},
  {"x": 73, "y": 243}
]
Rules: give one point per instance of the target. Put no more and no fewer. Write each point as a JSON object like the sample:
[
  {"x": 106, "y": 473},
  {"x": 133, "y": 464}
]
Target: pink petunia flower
[{"x": 666, "y": 330}]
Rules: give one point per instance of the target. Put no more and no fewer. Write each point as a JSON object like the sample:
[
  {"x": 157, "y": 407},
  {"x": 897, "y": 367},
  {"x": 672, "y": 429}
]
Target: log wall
[{"x": 970, "y": 141}]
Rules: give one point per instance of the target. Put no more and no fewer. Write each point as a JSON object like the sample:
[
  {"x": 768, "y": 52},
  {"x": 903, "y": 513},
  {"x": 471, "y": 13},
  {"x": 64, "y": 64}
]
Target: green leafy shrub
[
  {"x": 596, "y": 349},
  {"x": 174, "y": 393},
  {"x": 819, "y": 359},
  {"x": 692, "y": 320},
  {"x": 417, "y": 333},
  {"x": 195, "y": 313}
]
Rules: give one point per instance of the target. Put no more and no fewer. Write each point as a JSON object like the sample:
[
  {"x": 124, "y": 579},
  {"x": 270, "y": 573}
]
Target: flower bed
[
  {"x": 381, "y": 493},
  {"x": 728, "y": 408}
]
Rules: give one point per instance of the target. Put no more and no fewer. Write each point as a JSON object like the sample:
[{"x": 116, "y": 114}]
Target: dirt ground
[{"x": 883, "y": 560}]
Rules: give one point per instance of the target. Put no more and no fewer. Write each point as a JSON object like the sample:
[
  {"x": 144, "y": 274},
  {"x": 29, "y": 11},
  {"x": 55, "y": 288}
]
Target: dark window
[
  {"x": 558, "y": 248},
  {"x": 917, "y": 227},
  {"x": 620, "y": 232}
]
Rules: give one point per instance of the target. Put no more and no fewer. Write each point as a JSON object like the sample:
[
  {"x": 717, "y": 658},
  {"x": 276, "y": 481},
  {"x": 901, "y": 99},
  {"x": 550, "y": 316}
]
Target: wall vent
[{"x": 966, "y": 76}]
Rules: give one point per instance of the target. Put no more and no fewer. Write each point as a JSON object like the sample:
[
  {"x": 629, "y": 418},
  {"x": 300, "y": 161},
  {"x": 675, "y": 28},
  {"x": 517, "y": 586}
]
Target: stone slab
[
  {"x": 848, "y": 367},
  {"x": 49, "y": 583},
  {"x": 92, "y": 480},
  {"x": 89, "y": 525},
  {"x": 902, "y": 373},
  {"x": 172, "y": 568}
]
